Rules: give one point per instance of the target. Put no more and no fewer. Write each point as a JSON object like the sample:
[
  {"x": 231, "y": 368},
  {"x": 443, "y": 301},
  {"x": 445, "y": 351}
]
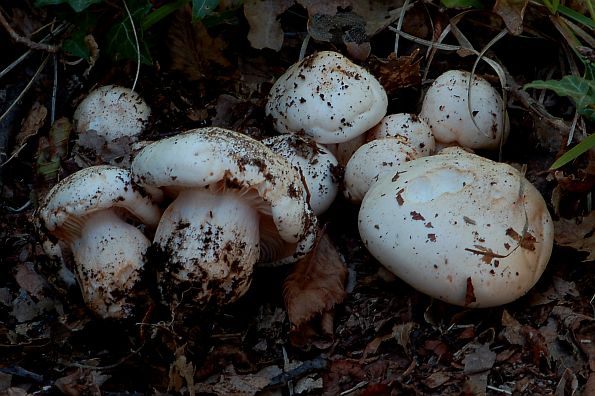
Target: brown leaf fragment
[
  {"x": 316, "y": 285},
  {"x": 469, "y": 293},
  {"x": 512, "y": 13},
  {"x": 436, "y": 380},
  {"x": 397, "y": 73},
  {"x": 487, "y": 254},
  {"x": 400, "y": 199},
  {"x": 263, "y": 18},
  {"x": 417, "y": 216},
  {"x": 30, "y": 126},
  {"x": 527, "y": 241},
  {"x": 181, "y": 372},
  {"x": 577, "y": 233},
  {"x": 193, "y": 51}
]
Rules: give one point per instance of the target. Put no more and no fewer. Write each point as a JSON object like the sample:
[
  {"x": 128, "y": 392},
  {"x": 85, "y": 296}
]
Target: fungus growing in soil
[
  {"x": 88, "y": 212},
  {"x": 234, "y": 202},
  {"x": 326, "y": 97},
  {"x": 109, "y": 120},
  {"x": 371, "y": 161},
  {"x": 459, "y": 227},
  {"x": 316, "y": 164},
  {"x": 445, "y": 108},
  {"x": 411, "y": 129}
]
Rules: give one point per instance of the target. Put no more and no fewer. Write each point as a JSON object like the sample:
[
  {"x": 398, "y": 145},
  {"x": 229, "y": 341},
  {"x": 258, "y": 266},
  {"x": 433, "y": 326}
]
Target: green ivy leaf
[
  {"x": 579, "y": 89},
  {"x": 120, "y": 38},
  {"x": 202, "y": 8},
  {"x": 77, "y": 5},
  {"x": 75, "y": 44}
]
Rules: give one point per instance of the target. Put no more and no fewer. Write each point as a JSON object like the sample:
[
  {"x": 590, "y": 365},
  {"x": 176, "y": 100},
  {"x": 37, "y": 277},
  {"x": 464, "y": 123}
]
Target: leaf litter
[{"x": 335, "y": 323}]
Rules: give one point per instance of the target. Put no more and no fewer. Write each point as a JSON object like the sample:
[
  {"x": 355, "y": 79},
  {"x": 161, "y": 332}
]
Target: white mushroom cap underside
[
  {"x": 409, "y": 127},
  {"x": 92, "y": 189},
  {"x": 326, "y": 97},
  {"x": 203, "y": 157},
  {"x": 438, "y": 221},
  {"x": 112, "y": 112},
  {"x": 446, "y": 111},
  {"x": 316, "y": 164}
]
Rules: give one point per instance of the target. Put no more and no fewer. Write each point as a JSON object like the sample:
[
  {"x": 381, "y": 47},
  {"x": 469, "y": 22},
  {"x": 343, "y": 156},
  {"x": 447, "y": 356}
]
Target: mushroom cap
[
  {"x": 93, "y": 189},
  {"x": 218, "y": 157},
  {"x": 371, "y": 161},
  {"x": 460, "y": 228},
  {"x": 343, "y": 151},
  {"x": 315, "y": 162},
  {"x": 327, "y": 97},
  {"x": 446, "y": 111},
  {"x": 408, "y": 127},
  {"x": 112, "y": 112}
]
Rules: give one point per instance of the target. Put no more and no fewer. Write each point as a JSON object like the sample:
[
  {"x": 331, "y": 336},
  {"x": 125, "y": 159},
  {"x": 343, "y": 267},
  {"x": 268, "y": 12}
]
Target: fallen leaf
[
  {"x": 512, "y": 13},
  {"x": 231, "y": 383},
  {"x": 30, "y": 126},
  {"x": 477, "y": 366},
  {"x": 193, "y": 51},
  {"x": 396, "y": 73},
  {"x": 263, "y": 18},
  {"x": 436, "y": 380},
  {"x": 315, "y": 286},
  {"x": 578, "y": 233},
  {"x": 181, "y": 372}
]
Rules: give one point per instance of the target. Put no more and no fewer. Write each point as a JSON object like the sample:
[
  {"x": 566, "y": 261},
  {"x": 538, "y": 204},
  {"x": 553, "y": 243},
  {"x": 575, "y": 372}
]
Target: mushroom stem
[
  {"x": 208, "y": 235},
  {"x": 109, "y": 254}
]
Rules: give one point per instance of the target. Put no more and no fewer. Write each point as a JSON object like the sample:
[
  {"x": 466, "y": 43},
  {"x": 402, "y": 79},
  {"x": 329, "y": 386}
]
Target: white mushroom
[
  {"x": 326, "y": 97},
  {"x": 459, "y": 227},
  {"x": 407, "y": 127},
  {"x": 446, "y": 110},
  {"x": 88, "y": 212},
  {"x": 371, "y": 161},
  {"x": 316, "y": 163},
  {"x": 109, "y": 120},
  {"x": 234, "y": 200},
  {"x": 343, "y": 151}
]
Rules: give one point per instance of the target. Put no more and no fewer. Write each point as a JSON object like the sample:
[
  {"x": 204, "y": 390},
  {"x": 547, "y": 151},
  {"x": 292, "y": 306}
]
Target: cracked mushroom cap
[
  {"x": 111, "y": 112},
  {"x": 87, "y": 211},
  {"x": 218, "y": 158},
  {"x": 315, "y": 162},
  {"x": 446, "y": 110},
  {"x": 326, "y": 97},
  {"x": 460, "y": 228}
]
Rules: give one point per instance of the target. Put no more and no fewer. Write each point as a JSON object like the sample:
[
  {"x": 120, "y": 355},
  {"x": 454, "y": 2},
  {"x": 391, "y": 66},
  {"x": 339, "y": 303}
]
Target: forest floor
[{"x": 383, "y": 337}]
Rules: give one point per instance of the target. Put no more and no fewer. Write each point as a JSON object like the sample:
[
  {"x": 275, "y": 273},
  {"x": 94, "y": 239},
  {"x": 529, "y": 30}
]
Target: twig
[
  {"x": 24, "y": 40},
  {"x": 400, "y": 25},
  {"x": 304, "y": 46},
  {"x": 54, "y": 90},
  {"x": 305, "y": 368}
]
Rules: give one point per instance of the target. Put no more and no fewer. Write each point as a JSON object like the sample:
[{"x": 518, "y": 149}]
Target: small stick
[{"x": 24, "y": 40}]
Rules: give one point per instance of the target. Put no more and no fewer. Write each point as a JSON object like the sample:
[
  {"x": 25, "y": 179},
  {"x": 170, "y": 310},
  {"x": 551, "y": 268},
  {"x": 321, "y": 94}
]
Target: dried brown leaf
[
  {"x": 263, "y": 18},
  {"x": 397, "y": 73},
  {"x": 181, "y": 372},
  {"x": 512, "y": 13},
  {"x": 193, "y": 51},
  {"x": 578, "y": 233},
  {"x": 30, "y": 126},
  {"x": 316, "y": 284}
]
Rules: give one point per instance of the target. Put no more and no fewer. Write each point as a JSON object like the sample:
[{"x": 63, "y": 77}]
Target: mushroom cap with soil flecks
[
  {"x": 326, "y": 97},
  {"x": 88, "y": 211},
  {"x": 316, "y": 163},
  {"x": 234, "y": 203},
  {"x": 478, "y": 125},
  {"x": 459, "y": 227}
]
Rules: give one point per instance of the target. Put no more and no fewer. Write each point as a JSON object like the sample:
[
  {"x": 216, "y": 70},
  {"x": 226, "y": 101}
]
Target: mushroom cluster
[{"x": 229, "y": 201}]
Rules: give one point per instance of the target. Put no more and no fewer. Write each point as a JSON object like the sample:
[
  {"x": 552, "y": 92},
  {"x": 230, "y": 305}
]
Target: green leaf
[
  {"x": 75, "y": 44},
  {"x": 121, "y": 43},
  {"x": 77, "y": 5},
  {"x": 579, "y": 89},
  {"x": 161, "y": 12},
  {"x": 202, "y": 8},
  {"x": 574, "y": 152},
  {"x": 462, "y": 3}
]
